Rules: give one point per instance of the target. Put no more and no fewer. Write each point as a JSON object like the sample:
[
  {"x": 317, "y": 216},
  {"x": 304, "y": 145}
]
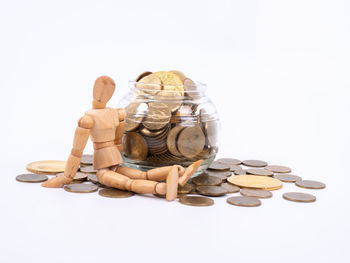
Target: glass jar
[{"x": 165, "y": 126}]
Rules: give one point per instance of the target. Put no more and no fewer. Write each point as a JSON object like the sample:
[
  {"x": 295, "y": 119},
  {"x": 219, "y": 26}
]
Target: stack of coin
[{"x": 166, "y": 123}]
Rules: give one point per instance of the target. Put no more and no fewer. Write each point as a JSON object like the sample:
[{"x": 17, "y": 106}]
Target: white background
[{"x": 278, "y": 72}]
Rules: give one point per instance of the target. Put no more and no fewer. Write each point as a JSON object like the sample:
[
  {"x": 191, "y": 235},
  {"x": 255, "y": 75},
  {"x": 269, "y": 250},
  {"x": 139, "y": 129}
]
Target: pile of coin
[{"x": 166, "y": 122}]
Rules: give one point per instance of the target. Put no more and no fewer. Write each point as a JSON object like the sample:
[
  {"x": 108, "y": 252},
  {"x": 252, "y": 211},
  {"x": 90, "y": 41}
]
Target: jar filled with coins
[{"x": 169, "y": 120}]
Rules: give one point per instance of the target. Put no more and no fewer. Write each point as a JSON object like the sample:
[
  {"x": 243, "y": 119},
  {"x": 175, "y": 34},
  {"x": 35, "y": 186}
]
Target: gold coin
[
  {"x": 179, "y": 74},
  {"x": 204, "y": 179},
  {"x": 135, "y": 112},
  {"x": 261, "y": 172},
  {"x": 243, "y": 201},
  {"x": 114, "y": 193},
  {"x": 150, "y": 84},
  {"x": 211, "y": 190},
  {"x": 171, "y": 140},
  {"x": 222, "y": 175},
  {"x": 191, "y": 141},
  {"x": 143, "y": 74},
  {"x": 218, "y": 166},
  {"x": 81, "y": 188},
  {"x": 278, "y": 169},
  {"x": 254, "y": 163},
  {"x": 230, "y": 188},
  {"x": 299, "y": 197},
  {"x": 79, "y": 177},
  {"x": 257, "y": 193},
  {"x": 229, "y": 161},
  {"x": 31, "y": 178},
  {"x": 88, "y": 169},
  {"x": 187, "y": 188},
  {"x": 254, "y": 181},
  {"x": 135, "y": 146},
  {"x": 170, "y": 81},
  {"x": 196, "y": 200},
  {"x": 47, "y": 167},
  {"x": 287, "y": 178},
  {"x": 158, "y": 116},
  {"x": 86, "y": 159},
  {"x": 310, "y": 184}
]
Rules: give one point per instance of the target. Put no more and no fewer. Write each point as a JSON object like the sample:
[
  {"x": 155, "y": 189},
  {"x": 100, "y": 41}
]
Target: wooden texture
[
  {"x": 172, "y": 184},
  {"x": 103, "y": 90},
  {"x": 189, "y": 172}
]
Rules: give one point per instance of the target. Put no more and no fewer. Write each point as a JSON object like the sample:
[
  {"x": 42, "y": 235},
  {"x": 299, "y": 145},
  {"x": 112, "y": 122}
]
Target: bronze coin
[
  {"x": 114, "y": 193},
  {"x": 179, "y": 74},
  {"x": 173, "y": 99},
  {"x": 79, "y": 177},
  {"x": 240, "y": 172},
  {"x": 135, "y": 113},
  {"x": 278, "y": 169},
  {"x": 81, "y": 188},
  {"x": 218, "y": 166},
  {"x": 261, "y": 172},
  {"x": 191, "y": 141},
  {"x": 143, "y": 74},
  {"x": 196, "y": 200},
  {"x": 158, "y": 116},
  {"x": 86, "y": 159},
  {"x": 257, "y": 193},
  {"x": 222, "y": 175},
  {"x": 88, "y": 169},
  {"x": 310, "y": 184},
  {"x": 211, "y": 190},
  {"x": 93, "y": 178},
  {"x": 211, "y": 129},
  {"x": 150, "y": 84},
  {"x": 135, "y": 146},
  {"x": 299, "y": 197},
  {"x": 234, "y": 167},
  {"x": 243, "y": 201},
  {"x": 230, "y": 188},
  {"x": 172, "y": 138},
  {"x": 187, "y": 188},
  {"x": 287, "y": 178},
  {"x": 254, "y": 163},
  {"x": 229, "y": 161},
  {"x": 204, "y": 179},
  {"x": 31, "y": 178}
]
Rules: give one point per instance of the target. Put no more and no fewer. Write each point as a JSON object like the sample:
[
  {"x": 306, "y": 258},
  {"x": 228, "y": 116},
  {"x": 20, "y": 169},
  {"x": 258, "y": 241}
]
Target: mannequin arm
[{"x": 120, "y": 130}]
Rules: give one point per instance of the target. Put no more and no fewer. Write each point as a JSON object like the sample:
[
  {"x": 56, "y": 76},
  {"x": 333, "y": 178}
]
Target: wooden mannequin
[{"x": 105, "y": 126}]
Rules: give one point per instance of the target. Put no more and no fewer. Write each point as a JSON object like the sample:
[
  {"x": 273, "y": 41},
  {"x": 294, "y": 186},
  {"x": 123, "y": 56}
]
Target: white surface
[{"x": 278, "y": 72}]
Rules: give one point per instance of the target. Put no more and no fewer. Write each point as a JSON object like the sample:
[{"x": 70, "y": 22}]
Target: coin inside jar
[
  {"x": 150, "y": 84},
  {"x": 261, "y": 172},
  {"x": 196, "y": 200},
  {"x": 243, "y": 201},
  {"x": 143, "y": 74},
  {"x": 135, "y": 146},
  {"x": 299, "y": 197},
  {"x": 158, "y": 116},
  {"x": 135, "y": 113},
  {"x": 211, "y": 190},
  {"x": 172, "y": 140},
  {"x": 31, "y": 178},
  {"x": 287, "y": 178},
  {"x": 257, "y": 193},
  {"x": 173, "y": 99},
  {"x": 191, "y": 141},
  {"x": 310, "y": 184}
]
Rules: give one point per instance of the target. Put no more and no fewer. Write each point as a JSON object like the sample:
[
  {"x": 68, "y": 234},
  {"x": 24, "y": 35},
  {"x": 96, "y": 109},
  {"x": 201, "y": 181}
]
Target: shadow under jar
[{"x": 165, "y": 126}]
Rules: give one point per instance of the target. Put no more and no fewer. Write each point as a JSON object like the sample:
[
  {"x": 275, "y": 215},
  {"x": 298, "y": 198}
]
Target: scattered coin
[
  {"x": 278, "y": 169},
  {"x": 222, "y": 175},
  {"x": 230, "y": 188},
  {"x": 88, "y": 169},
  {"x": 204, "y": 179},
  {"x": 135, "y": 146},
  {"x": 218, "y": 166},
  {"x": 31, "y": 178},
  {"x": 187, "y": 188},
  {"x": 114, "y": 193},
  {"x": 254, "y": 181},
  {"x": 47, "y": 167},
  {"x": 86, "y": 159},
  {"x": 229, "y": 161},
  {"x": 254, "y": 163},
  {"x": 243, "y": 201},
  {"x": 299, "y": 197},
  {"x": 92, "y": 178},
  {"x": 196, "y": 200},
  {"x": 81, "y": 188},
  {"x": 257, "y": 193},
  {"x": 261, "y": 172},
  {"x": 191, "y": 141},
  {"x": 310, "y": 184},
  {"x": 79, "y": 177},
  {"x": 287, "y": 178},
  {"x": 211, "y": 190},
  {"x": 240, "y": 172},
  {"x": 234, "y": 167}
]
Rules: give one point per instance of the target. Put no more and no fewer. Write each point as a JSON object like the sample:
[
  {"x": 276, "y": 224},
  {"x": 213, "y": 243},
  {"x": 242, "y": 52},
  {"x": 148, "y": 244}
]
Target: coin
[
  {"x": 254, "y": 181},
  {"x": 158, "y": 116},
  {"x": 31, "y": 178},
  {"x": 179, "y": 74},
  {"x": 211, "y": 190},
  {"x": 310, "y": 184},
  {"x": 144, "y": 74},
  {"x": 261, "y": 172},
  {"x": 222, "y": 175},
  {"x": 93, "y": 178},
  {"x": 257, "y": 193},
  {"x": 278, "y": 169},
  {"x": 170, "y": 81},
  {"x": 230, "y": 188},
  {"x": 187, "y": 188},
  {"x": 135, "y": 146},
  {"x": 239, "y": 172},
  {"x": 172, "y": 138},
  {"x": 172, "y": 99},
  {"x": 150, "y": 84},
  {"x": 299, "y": 197},
  {"x": 211, "y": 129},
  {"x": 191, "y": 141},
  {"x": 254, "y": 163},
  {"x": 86, "y": 159},
  {"x": 79, "y": 177},
  {"x": 81, "y": 188},
  {"x": 204, "y": 179},
  {"x": 229, "y": 161},
  {"x": 234, "y": 167},
  {"x": 88, "y": 169},
  {"x": 135, "y": 112},
  {"x": 287, "y": 178},
  {"x": 196, "y": 200},
  {"x": 46, "y": 167},
  {"x": 218, "y": 166},
  {"x": 243, "y": 201},
  {"x": 114, "y": 193}
]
